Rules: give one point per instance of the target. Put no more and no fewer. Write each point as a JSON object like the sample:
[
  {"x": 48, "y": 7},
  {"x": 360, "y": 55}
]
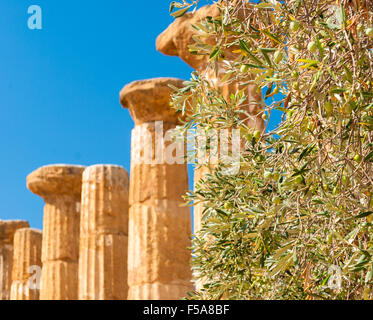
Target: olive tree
[{"x": 296, "y": 221}]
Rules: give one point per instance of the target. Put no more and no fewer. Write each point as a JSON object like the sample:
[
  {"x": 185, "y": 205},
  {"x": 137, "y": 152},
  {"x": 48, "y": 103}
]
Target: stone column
[
  {"x": 7, "y": 230},
  {"x": 104, "y": 234},
  {"x": 26, "y": 265},
  {"x": 60, "y": 187},
  {"x": 175, "y": 41},
  {"x": 159, "y": 228}
]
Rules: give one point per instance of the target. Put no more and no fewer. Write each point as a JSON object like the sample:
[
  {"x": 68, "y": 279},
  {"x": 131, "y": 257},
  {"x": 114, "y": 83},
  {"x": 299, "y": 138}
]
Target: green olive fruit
[
  {"x": 328, "y": 108},
  {"x": 259, "y": 158},
  {"x": 345, "y": 180},
  {"x": 348, "y": 108},
  {"x": 369, "y": 32},
  {"x": 276, "y": 200},
  {"x": 294, "y": 26},
  {"x": 228, "y": 206},
  {"x": 277, "y": 57},
  {"x": 312, "y": 46},
  {"x": 244, "y": 68},
  {"x": 295, "y": 74},
  {"x": 257, "y": 135},
  {"x": 265, "y": 117},
  {"x": 267, "y": 175},
  {"x": 249, "y": 136},
  {"x": 296, "y": 86},
  {"x": 298, "y": 179},
  {"x": 335, "y": 190},
  {"x": 275, "y": 176},
  {"x": 329, "y": 238},
  {"x": 357, "y": 157}
]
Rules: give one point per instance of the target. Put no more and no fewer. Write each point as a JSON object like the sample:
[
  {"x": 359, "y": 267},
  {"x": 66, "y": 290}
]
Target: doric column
[
  {"x": 104, "y": 234},
  {"x": 175, "y": 41},
  {"x": 26, "y": 265},
  {"x": 60, "y": 187},
  {"x": 159, "y": 228},
  {"x": 7, "y": 230},
  {"x": 177, "y": 38}
]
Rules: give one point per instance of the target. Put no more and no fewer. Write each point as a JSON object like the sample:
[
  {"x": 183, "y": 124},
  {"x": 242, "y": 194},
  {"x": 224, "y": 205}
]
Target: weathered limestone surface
[
  {"x": 175, "y": 41},
  {"x": 148, "y": 100},
  {"x": 26, "y": 264},
  {"x": 60, "y": 187},
  {"x": 104, "y": 234},
  {"x": 7, "y": 230},
  {"x": 159, "y": 228},
  {"x": 199, "y": 173},
  {"x": 177, "y": 38}
]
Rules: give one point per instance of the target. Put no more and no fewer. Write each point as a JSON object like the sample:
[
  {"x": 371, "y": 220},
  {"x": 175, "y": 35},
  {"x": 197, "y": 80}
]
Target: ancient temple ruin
[
  {"x": 104, "y": 234},
  {"x": 108, "y": 236},
  {"x": 158, "y": 261}
]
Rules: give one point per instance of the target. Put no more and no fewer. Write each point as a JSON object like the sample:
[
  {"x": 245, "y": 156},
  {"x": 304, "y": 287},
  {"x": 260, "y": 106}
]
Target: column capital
[
  {"x": 111, "y": 175},
  {"x": 27, "y": 230},
  {"x": 103, "y": 233},
  {"x": 149, "y": 100},
  {"x": 174, "y": 41},
  {"x": 26, "y": 260},
  {"x": 59, "y": 179},
  {"x": 8, "y": 229},
  {"x": 177, "y": 38}
]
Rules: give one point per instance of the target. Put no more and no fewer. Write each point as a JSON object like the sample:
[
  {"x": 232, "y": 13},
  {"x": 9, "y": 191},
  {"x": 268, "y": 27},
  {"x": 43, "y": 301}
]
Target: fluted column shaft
[
  {"x": 158, "y": 259},
  {"x": 6, "y": 263},
  {"x": 60, "y": 251},
  {"x": 26, "y": 265},
  {"x": 159, "y": 228},
  {"x": 175, "y": 41},
  {"x": 104, "y": 234},
  {"x": 60, "y": 187},
  {"x": 7, "y": 230}
]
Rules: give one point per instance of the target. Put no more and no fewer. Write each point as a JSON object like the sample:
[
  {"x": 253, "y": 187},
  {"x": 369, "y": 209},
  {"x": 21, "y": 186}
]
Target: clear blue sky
[{"x": 59, "y": 87}]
